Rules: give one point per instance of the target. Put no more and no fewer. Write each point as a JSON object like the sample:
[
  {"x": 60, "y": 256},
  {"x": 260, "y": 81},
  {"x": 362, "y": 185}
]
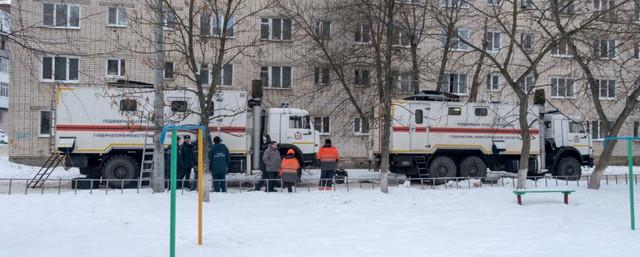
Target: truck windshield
[{"x": 299, "y": 122}]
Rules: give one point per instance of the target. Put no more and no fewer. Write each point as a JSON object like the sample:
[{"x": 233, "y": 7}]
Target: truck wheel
[
  {"x": 441, "y": 167},
  {"x": 473, "y": 166},
  {"x": 120, "y": 167},
  {"x": 568, "y": 168}
]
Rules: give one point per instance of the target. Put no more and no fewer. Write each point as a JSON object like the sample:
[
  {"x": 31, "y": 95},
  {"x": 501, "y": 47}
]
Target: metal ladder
[
  {"x": 421, "y": 165},
  {"x": 54, "y": 160},
  {"x": 146, "y": 163}
]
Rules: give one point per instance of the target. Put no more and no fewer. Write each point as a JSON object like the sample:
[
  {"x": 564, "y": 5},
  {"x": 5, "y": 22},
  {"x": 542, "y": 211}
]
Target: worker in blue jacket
[{"x": 219, "y": 160}]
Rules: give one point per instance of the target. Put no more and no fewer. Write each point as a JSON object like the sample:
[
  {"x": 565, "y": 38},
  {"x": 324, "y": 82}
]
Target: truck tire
[
  {"x": 120, "y": 167},
  {"x": 473, "y": 166},
  {"x": 441, "y": 167},
  {"x": 568, "y": 168}
]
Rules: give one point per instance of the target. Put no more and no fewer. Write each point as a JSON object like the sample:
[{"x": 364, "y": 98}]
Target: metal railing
[{"x": 12, "y": 186}]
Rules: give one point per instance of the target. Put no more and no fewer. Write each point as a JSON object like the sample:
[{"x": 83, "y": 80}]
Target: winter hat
[
  {"x": 187, "y": 137},
  {"x": 291, "y": 152},
  {"x": 327, "y": 141},
  {"x": 217, "y": 139}
]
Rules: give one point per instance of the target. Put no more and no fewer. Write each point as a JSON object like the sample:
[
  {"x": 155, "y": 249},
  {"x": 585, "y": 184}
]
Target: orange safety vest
[
  {"x": 328, "y": 154},
  {"x": 289, "y": 165}
]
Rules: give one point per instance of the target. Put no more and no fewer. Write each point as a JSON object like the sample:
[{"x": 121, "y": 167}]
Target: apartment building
[
  {"x": 5, "y": 28},
  {"x": 86, "y": 42}
]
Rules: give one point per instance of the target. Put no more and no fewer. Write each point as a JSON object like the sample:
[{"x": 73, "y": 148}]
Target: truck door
[
  {"x": 578, "y": 136},
  {"x": 300, "y": 133},
  {"x": 418, "y": 128}
]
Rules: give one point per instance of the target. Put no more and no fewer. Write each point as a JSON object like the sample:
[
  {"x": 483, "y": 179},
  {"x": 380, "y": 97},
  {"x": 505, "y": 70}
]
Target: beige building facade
[{"x": 92, "y": 42}]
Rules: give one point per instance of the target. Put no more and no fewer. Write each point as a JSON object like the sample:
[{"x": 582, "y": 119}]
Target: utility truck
[
  {"x": 108, "y": 131},
  {"x": 435, "y": 135}
]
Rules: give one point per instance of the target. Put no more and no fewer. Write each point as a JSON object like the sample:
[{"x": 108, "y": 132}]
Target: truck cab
[
  {"x": 292, "y": 128},
  {"x": 565, "y": 138}
]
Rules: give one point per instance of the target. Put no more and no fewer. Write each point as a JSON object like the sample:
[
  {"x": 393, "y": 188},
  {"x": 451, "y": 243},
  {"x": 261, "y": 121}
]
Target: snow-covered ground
[{"x": 405, "y": 222}]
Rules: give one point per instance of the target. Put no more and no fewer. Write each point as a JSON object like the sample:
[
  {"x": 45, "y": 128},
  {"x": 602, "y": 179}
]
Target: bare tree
[
  {"x": 597, "y": 54},
  {"x": 198, "y": 40},
  {"x": 518, "y": 63}
]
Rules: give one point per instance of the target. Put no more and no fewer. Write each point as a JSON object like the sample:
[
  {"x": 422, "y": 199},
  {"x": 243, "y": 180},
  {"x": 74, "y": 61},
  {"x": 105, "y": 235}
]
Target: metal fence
[{"x": 19, "y": 186}]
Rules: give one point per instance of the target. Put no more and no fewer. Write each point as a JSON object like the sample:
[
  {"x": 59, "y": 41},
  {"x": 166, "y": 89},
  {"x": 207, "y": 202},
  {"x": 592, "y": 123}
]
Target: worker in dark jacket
[
  {"x": 328, "y": 157},
  {"x": 219, "y": 160},
  {"x": 289, "y": 170},
  {"x": 271, "y": 159},
  {"x": 187, "y": 159},
  {"x": 167, "y": 165}
]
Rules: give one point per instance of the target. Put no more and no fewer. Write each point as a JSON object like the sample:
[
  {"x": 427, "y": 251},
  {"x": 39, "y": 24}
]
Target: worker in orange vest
[
  {"x": 289, "y": 169},
  {"x": 328, "y": 157}
]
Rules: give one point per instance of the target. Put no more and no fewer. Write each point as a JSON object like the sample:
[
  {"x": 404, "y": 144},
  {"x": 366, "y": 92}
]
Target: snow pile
[
  {"x": 405, "y": 222},
  {"x": 13, "y": 170}
]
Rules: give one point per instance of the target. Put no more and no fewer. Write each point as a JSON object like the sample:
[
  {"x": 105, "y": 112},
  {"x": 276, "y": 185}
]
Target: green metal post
[
  {"x": 174, "y": 166},
  {"x": 631, "y": 181}
]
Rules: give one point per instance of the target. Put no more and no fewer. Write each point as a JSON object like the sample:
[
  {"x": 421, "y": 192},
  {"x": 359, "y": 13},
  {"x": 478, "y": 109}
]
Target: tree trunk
[
  {"x": 443, "y": 60},
  {"x": 157, "y": 176},
  {"x": 475, "y": 83},
  {"x": 386, "y": 97},
  {"x": 204, "y": 121},
  {"x": 601, "y": 165},
  {"x": 415, "y": 69},
  {"x": 523, "y": 166}
]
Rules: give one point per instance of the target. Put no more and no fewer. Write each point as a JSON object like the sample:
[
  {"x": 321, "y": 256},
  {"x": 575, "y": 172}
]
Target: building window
[
  {"x": 4, "y": 65},
  {"x": 276, "y": 76},
  {"x": 168, "y": 70},
  {"x": 401, "y": 37},
  {"x": 45, "y": 123},
  {"x": 494, "y": 2},
  {"x": 4, "y": 89},
  {"x": 403, "y": 81},
  {"x": 563, "y": 88},
  {"x": 360, "y": 126},
  {"x": 322, "y": 29},
  {"x": 527, "y": 83},
  {"x": 321, "y": 76},
  {"x": 493, "y": 81},
  {"x": 561, "y": 50},
  {"x": 275, "y": 29},
  {"x": 597, "y": 131},
  {"x": 115, "y": 67},
  {"x": 117, "y": 16},
  {"x": 606, "y": 89},
  {"x": 456, "y": 41},
  {"x": 493, "y": 41},
  {"x": 218, "y": 22},
  {"x": 636, "y": 127},
  {"x": 567, "y": 7},
  {"x": 526, "y": 4},
  {"x": 526, "y": 41},
  {"x": 363, "y": 34},
  {"x": 60, "y": 68},
  {"x": 61, "y": 15},
  {"x": 169, "y": 19},
  {"x": 128, "y": 105},
  {"x": 456, "y": 83},
  {"x": 454, "y": 3},
  {"x": 636, "y": 50},
  {"x": 605, "y": 48},
  {"x": 361, "y": 77},
  {"x": 322, "y": 125},
  {"x": 225, "y": 77}
]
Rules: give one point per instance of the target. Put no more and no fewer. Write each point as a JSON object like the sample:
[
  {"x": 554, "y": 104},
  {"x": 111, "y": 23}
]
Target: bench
[{"x": 521, "y": 192}]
